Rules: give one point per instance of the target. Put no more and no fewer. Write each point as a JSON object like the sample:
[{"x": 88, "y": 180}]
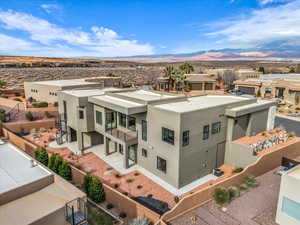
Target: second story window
[
  {"x": 161, "y": 164},
  {"x": 99, "y": 117},
  {"x": 216, "y": 128},
  {"x": 185, "y": 138},
  {"x": 122, "y": 120},
  {"x": 168, "y": 135},
  {"x": 131, "y": 123},
  {"x": 144, "y": 130},
  {"x": 205, "y": 132},
  {"x": 81, "y": 114}
]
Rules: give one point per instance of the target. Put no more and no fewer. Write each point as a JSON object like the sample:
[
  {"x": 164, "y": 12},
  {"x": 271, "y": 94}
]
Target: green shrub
[
  {"x": 140, "y": 221},
  {"x": 41, "y": 155},
  {"x": 233, "y": 192},
  {"x": 95, "y": 190},
  {"x": 176, "y": 199},
  {"x": 40, "y": 105},
  {"x": 51, "y": 161},
  {"x": 109, "y": 206},
  {"x": 186, "y": 89},
  {"x": 29, "y": 116},
  {"x": 221, "y": 196},
  {"x": 58, "y": 161},
  {"x": 238, "y": 170},
  {"x": 47, "y": 114},
  {"x": 250, "y": 181},
  {"x": 86, "y": 183},
  {"x": 2, "y": 115},
  {"x": 65, "y": 171},
  {"x": 241, "y": 187},
  {"x": 17, "y": 94}
]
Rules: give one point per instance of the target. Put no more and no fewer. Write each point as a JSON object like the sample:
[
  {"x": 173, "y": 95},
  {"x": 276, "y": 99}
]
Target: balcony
[{"x": 125, "y": 136}]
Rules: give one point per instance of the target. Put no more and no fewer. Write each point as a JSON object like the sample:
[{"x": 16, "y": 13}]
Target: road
[{"x": 291, "y": 125}]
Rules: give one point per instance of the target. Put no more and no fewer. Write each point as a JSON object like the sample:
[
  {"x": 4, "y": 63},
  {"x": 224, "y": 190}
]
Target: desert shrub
[
  {"x": 65, "y": 171},
  {"x": 117, "y": 175},
  {"x": 140, "y": 221},
  {"x": 123, "y": 215},
  {"x": 139, "y": 187},
  {"x": 41, "y": 155},
  {"x": 2, "y": 115},
  {"x": 51, "y": 161},
  {"x": 96, "y": 190},
  {"x": 241, "y": 187},
  {"x": 47, "y": 114},
  {"x": 29, "y": 116},
  {"x": 109, "y": 206},
  {"x": 129, "y": 180},
  {"x": 186, "y": 89},
  {"x": 17, "y": 94},
  {"x": 58, "y": 161},
  {"x": 40, "y": 105},
  {"x": 116, "y": 185},
  {"x": 238, "y": 170},
  {"x": 250, "y": 181},
  {"x": 111, "y": 75},
  {"x": 176, "y": 199},
  {"x": 221, "y": 196},
  {"x": 136, "y": 174},
  {"x": 233, "y": 192},
  {"x": 125, "y": 193}
]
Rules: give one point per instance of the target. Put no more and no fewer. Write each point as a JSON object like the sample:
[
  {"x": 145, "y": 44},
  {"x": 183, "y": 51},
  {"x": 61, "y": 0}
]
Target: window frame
[
  {"x": 99, "y": 119},
  {"x": 159, "y": 160},
  {"x": 81, "y": 116},
  {"x": 122, "y": 119},
  {"x": 144, "y": 130},
  {"x": 168, "y": 135},
  {"x": 144, "y": 153},
  {"x": 185, "y": 138},
  {"x": 206, "y": 132},
  {"x": 216, "y": 131}
]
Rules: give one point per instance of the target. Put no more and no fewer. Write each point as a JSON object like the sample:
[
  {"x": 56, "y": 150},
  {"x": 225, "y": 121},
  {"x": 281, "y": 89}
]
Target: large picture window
[
  {"x": 216, "y": 128},
  {"x": 161, "y": 164},
  {"x": 168, "y": 135},
  {"x": 144, "y": 130},
  {"x": 205, "y": 132},
  {"x": 122, "y": 120}
]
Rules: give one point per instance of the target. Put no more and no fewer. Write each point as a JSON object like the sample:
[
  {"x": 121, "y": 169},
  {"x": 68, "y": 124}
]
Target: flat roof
[
  {"x": 146, "y": 95},
  {"x": 16, "y": 169},
  {"x": 280, "y": 76},
  {"x": 90, "y": 92},
  {"x": 117, "y": 101},
  {"x": 200, "y": 102},
  {"x": 295, "y": 172},
  {"x": 63, "y": 83}
]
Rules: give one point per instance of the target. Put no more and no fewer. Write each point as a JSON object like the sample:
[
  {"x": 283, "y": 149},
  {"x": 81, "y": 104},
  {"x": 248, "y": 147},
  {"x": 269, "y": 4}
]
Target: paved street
[{"x": 291, "y": 125}]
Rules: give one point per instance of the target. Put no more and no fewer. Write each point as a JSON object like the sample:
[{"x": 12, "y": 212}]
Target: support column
[
  {"x": 80, "y": 142},
  {"x": 126, "y": 155},
  {"x": 106, "y": 142}
]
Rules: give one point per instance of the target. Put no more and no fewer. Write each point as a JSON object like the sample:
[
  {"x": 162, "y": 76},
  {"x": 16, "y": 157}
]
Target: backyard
[{"x": 96, "y": 216}]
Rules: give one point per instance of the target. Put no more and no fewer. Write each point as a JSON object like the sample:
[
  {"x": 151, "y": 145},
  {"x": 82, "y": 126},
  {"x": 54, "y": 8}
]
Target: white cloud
[
  {"x": 8, "y": 43},
  {"x": 49, "y": 8},
  {"x": 265, "y": 2},
  {"x": 100, "y": 41},
  {"x": 264, "y": 25}
]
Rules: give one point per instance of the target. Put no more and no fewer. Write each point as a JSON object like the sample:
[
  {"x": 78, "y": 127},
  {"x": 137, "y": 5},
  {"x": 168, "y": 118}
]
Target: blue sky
[{"x": 105, "y": 28}]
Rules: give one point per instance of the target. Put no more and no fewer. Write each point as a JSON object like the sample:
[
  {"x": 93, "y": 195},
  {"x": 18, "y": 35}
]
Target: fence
[
  {"x": 265, "y": 163},
  {"x": 120, "y": 201},
  {"x": 18, "y": 127}
]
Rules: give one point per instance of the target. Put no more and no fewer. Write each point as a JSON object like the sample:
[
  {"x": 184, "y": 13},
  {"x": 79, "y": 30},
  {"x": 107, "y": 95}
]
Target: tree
[
  {"x": 86, "y": 183},
  {"x": 65, "y": 171},
  {"x": 178, "y": 77},
  {"x": 95, "y": 190},
  {"x": 58, "y": 161},
  {"x": 221, "y": 196},
  {"x": 52, "y": 161},
  {"x": 186, "y": 68},
  {"x": 169, "y": 72},
  {"x": 41, "y": 155}
]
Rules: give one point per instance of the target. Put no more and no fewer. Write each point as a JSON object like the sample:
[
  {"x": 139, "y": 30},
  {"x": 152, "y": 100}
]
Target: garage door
[
  {"x": 247, "y": 90},
  {"x": 196, "y": 86}
]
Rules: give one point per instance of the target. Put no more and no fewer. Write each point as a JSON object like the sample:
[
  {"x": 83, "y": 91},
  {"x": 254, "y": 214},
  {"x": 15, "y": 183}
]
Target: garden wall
[
  {"x": 9, "y": 103},
  {"x": 265, "y": 163},
  {"x": 120, "y": 201},
  {"x": 18, "y": 127}
]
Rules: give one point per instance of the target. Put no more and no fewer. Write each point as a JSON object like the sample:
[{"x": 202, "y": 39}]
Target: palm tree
[
  {"x": 169, "y": 73},
  {"x": 186, "y": 67},
  {"x": 178, "y": 77}
]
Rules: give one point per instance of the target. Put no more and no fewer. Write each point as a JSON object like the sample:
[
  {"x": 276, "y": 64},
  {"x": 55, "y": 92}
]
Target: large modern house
[
  {"x": 32, "y": 194},
  {"x": 47, "y": 90},
  {"x": 177, "y": 138}
]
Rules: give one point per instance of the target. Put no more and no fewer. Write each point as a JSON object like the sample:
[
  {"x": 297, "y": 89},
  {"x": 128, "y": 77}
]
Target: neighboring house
[
  {"x": 177, "y": 138},
  {"x": 288, "y": 207},
  {"x": 243, "y": 74},
  {"x": 195, "y": 82},
  {"x": 31, "y": 194},
  {"x": 287, "y": 89},
  {"x": 47, "y": 90}
]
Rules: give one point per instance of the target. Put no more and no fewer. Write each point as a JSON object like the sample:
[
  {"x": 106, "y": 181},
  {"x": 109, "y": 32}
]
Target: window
[
  {"x": 122, "y": 120},
  {"x": 291, "y": 208},
  {"x": 168, "y": 135},
  {"x": 205, "y": 132},
  {"x": 81, "y": 114},
  {"x": 131, "y": 123},
  {"x": 144, "y": 130},
  {"x": 216, "y": 128},
  {"x": 161, "y": 164},
  {"x": 98, "y": 117},
  {"x": 185, "y": 138},
  {"x": 121, "y": 149},
  {"x": 144, "y": 152}
]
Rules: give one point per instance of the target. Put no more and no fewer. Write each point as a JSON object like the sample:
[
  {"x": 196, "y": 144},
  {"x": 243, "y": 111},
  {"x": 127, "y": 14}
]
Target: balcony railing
[{"x": 122, "y": 135}]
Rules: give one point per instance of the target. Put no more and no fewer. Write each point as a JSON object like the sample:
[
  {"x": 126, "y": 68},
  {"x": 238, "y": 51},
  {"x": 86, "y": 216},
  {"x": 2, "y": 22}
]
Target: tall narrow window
[
  {"x": 168, "y": 135},
  {"x": 122, "y": 120},
  {"x": 144, "y": 130},
  {"x": 185, "y": 138},
  {"x": 81, "y": 114},
  {"x": 161, "y": 164},
  {"x": 98, "y": 117},
  {"x": 205, "y": 132},
  {"x": 131, "y": 123},
  {"x": 216, "y": 128}
]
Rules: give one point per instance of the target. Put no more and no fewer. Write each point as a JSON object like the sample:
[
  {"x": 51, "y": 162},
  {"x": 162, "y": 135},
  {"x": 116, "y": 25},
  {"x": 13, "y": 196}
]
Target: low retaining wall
[
  {"x": 18, "y": 127},
  {"x": 9, "y": 103},
  {"x": 120, "y": 201},
  {"x": 265, "y": 163}
]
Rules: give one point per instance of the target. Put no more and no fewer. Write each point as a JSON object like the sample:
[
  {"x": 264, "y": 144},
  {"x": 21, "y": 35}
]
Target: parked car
[{"x": 235, "y": 92}]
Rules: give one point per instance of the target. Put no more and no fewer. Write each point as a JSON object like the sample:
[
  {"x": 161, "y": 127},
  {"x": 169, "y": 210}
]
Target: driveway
[{"x": 256, "y": 206}]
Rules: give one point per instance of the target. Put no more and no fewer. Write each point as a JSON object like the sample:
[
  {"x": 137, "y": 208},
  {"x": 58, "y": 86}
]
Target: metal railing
[{"x": 122, "y": 135}]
